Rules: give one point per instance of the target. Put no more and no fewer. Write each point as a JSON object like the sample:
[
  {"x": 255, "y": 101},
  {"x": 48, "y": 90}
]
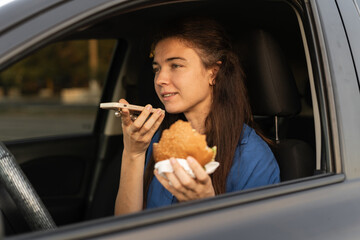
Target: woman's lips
[{"x": 168, "y": 95}]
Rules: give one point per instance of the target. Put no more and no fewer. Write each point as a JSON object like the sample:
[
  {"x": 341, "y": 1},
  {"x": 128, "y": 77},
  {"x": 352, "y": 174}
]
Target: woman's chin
[{"x": 173, "y": 110}]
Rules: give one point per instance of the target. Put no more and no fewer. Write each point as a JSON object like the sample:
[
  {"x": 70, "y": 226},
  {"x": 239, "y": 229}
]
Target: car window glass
[{"x": 55, "y": 91}]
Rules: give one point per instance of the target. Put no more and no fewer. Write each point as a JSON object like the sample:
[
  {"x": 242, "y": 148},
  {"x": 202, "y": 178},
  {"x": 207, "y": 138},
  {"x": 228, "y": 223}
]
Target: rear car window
[{"x": 54, "y": 91}]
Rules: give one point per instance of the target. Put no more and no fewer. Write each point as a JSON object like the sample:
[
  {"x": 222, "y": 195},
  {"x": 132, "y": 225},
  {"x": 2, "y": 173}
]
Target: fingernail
[
  {"x": 190, "y": 159},
  {"x": 172, "y": 160},
  {"x": 148, "y": 107},
  {"x": 158, "y": 111}
]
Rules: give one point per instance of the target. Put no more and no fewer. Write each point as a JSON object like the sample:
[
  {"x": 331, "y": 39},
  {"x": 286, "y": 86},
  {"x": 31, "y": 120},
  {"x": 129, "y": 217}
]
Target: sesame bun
[{"x": 181, "y": 141}]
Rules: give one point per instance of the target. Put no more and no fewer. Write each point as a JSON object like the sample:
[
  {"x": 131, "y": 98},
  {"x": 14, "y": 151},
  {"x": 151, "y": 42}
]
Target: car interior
[{"x": 77, "y": 175}]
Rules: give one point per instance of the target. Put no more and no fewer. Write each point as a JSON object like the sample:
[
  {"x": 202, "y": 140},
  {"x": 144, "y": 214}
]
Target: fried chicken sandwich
[{"x": 181, "y": 141}]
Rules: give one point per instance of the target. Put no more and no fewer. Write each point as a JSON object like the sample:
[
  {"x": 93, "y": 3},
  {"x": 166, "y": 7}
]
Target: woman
[{"x": 197, "y": 78}]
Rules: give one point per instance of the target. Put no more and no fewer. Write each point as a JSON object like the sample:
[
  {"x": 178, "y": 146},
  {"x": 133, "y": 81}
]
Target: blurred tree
[{"x": 59, "y": 65}]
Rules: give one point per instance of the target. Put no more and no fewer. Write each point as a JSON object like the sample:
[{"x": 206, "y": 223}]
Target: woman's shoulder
[
  {"x": 249, "y": 136},
  {"x": 254, "y": 163},
  {"x": 252, "y": 148}
]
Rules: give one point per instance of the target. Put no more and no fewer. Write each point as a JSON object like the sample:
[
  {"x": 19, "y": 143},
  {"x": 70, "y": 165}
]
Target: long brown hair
[{"x": 230, "y": 107}]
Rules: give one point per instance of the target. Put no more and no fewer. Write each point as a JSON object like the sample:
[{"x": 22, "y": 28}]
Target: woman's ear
[{"x": 214, "y": 70}]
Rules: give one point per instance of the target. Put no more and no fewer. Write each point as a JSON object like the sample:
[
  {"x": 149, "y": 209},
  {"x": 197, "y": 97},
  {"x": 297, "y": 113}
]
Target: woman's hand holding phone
[
  {"x": 137, "y": 135},
  {"x": 139, "y": 132}
]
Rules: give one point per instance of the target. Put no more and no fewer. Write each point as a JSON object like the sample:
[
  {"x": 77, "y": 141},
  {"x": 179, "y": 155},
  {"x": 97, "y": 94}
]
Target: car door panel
[{"x": 60, "y": 171}]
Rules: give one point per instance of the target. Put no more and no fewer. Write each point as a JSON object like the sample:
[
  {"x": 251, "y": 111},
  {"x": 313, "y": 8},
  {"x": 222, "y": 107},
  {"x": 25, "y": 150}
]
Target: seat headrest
[{"x": 271, "y": 85}]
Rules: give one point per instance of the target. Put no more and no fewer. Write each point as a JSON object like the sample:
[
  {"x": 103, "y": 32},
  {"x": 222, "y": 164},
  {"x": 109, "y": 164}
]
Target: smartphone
[{"x": 117, "y": 106}]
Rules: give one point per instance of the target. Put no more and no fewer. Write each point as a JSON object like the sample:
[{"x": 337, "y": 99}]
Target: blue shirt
[{"x": 254, "y": 165}]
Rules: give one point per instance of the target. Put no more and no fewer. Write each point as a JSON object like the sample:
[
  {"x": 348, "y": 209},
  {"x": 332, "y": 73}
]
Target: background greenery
[{"x": 58, "y": 66}]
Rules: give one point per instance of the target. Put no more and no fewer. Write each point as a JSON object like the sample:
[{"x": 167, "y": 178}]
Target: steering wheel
[{"x": 22, "y": 192}]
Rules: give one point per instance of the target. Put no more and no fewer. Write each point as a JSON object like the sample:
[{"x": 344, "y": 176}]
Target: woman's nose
[{"x": 161, "y": 78}]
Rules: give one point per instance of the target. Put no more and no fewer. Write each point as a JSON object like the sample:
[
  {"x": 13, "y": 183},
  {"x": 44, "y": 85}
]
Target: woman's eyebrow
[
  {"x": 170, "y": 59},
  {"x": 175, "y": 58}
]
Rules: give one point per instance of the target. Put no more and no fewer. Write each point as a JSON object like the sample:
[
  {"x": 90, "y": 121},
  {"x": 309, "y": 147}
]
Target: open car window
[
  {"x": 300, "y": 133},
  {"x": 54, "y": 91}
]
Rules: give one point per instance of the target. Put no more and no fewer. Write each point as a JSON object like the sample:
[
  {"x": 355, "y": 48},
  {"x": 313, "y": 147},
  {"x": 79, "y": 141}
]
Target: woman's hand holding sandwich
[{"x": 183, "y": 186}]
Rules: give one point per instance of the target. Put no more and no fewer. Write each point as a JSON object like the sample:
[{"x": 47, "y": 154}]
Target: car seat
[{"x": 273, "y": 95}]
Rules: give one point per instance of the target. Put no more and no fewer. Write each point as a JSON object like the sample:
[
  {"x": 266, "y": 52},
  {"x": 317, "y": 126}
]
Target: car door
[{"x": 50, "y": 118}]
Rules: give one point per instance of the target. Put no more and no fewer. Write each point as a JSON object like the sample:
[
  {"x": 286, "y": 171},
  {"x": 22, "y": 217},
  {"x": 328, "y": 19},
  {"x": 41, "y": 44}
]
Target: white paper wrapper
[{"x": 165, "y": 166}]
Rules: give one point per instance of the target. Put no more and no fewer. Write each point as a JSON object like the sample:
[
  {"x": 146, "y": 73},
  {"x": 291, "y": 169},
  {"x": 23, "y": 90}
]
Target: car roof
[{"x": 13, "y": 12}]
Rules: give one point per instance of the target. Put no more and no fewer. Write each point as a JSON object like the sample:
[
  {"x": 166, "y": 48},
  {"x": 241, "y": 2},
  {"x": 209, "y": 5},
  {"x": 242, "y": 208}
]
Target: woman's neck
[
  {"x": 198, "y": 114},
  {"x": 197, "y": 121}
]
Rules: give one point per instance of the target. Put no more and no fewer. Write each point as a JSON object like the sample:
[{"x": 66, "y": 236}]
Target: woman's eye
[
  {"x": 155, "y": 70},
  {"x": 174, "y": 66}
]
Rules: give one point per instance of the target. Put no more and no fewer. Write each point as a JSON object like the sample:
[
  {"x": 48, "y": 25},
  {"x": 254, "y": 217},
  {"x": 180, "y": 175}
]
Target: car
[{"x": 60, "y": 153}]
